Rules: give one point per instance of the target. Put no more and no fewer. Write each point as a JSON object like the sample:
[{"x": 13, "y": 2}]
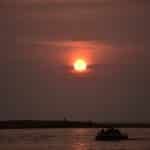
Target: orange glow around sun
[{"x": 80, "y": 65}]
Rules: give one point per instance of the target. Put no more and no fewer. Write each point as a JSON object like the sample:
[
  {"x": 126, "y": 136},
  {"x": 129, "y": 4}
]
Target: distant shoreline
[{"x": 23, "y": 124}]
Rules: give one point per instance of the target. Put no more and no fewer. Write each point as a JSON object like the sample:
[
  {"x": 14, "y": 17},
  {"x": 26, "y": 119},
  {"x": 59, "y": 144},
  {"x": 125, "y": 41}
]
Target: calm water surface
[{"x": 69, "y": 139}]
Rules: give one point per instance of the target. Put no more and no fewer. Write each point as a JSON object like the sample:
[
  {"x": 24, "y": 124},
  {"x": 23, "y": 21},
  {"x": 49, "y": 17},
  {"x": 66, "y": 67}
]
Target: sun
[{"x": 80, "y": 65}]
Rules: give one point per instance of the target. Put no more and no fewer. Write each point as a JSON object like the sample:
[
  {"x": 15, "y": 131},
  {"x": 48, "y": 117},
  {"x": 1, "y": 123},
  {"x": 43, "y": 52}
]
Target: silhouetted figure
[{"x": 111, "y": 134}]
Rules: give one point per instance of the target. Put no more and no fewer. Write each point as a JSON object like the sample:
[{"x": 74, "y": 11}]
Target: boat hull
[{"x": 111, "y": 138}]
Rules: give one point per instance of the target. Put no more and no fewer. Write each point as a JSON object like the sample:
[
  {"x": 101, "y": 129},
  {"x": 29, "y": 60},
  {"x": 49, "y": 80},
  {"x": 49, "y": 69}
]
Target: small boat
[{"x": 110, "y": 135}]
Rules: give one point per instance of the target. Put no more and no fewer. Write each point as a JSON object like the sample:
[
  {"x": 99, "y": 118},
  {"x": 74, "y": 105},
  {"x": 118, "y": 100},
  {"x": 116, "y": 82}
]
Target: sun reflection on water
[{"x": 80, "y": 143}]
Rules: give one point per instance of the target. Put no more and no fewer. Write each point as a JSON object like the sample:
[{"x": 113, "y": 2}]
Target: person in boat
[
  {"x": 110, "y": 134},
  {"x": 113, "y": 132},
  {"x": 109, "y": 131}
]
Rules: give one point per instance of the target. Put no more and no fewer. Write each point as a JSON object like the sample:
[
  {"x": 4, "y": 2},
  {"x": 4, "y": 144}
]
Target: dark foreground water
[{"x": 70, "y": 139}]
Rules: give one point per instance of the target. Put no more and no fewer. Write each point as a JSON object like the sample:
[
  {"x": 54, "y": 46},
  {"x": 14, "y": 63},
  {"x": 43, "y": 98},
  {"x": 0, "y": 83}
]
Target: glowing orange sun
[{"x": 80, "y": 65}]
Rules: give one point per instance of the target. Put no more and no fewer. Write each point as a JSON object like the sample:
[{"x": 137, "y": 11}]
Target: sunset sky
[{"x": 41, "y": 39}]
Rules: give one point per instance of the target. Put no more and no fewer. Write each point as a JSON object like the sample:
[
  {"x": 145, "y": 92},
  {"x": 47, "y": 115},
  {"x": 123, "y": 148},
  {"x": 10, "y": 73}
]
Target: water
[{"x": 70, "y": 139}]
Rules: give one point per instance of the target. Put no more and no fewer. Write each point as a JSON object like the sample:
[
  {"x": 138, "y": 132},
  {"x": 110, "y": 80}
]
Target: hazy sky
[{"x": 38, "y": 42}]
